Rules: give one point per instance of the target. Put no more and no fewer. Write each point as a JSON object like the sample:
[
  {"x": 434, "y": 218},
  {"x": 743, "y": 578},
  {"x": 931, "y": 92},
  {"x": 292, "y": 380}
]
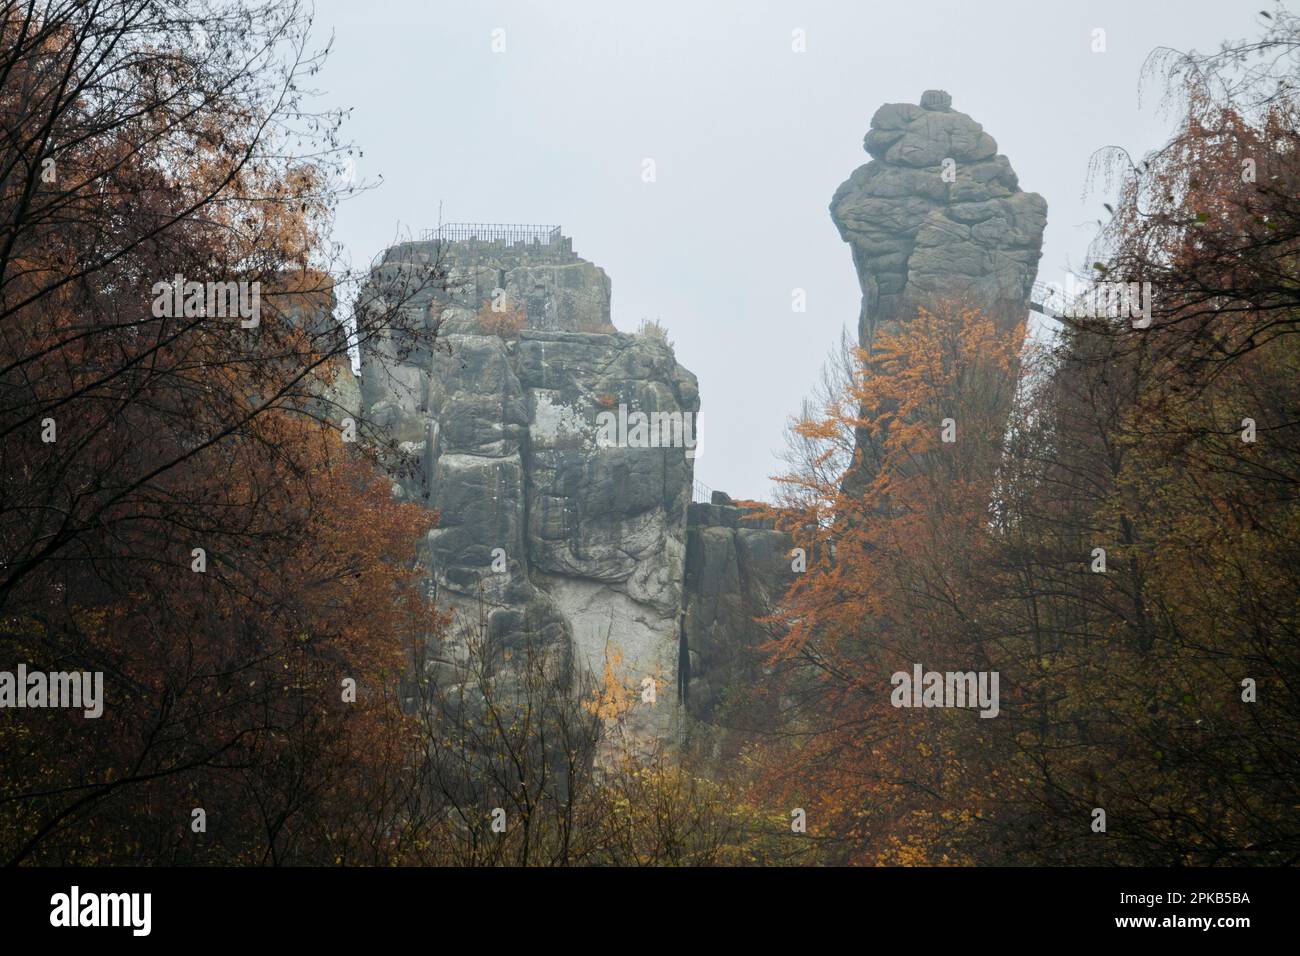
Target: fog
[{"x": 749, "y": 141}]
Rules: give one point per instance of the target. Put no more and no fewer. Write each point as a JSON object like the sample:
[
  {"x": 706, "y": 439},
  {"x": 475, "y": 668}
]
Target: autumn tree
[
  {"x": 179, "y": 509},
  {"x": 891, "y": 572},
  {"x": 1120, "y": 549}
]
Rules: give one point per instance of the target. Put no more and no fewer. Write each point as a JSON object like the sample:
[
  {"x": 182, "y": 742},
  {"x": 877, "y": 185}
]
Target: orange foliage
[{"x": 888, "y": 571}]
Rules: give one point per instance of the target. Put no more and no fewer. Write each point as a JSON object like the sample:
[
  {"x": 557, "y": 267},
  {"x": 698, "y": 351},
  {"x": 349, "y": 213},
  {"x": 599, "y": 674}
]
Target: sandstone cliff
[
  {"x": 563, "y": 532},
  {"x": 737, "y": 568},
  {"x": 937, "y": 214},
  {"x": 570, "y": 542}
]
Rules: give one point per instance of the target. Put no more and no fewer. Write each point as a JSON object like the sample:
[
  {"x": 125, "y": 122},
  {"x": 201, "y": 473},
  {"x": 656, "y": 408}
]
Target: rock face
[
  {"x": 558, "y": 452},
  {"x": 737, "y": 568},
  {"x": 561, "y": 519},
  {"x": 937, "y": 214},
  {"x": 557, "y": 290}
]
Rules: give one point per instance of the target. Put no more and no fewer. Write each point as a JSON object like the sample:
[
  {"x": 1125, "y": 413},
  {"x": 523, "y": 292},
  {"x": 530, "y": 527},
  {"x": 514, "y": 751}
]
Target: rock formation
[
  {"x": 737, "y": 568},
  {"x": 937, "y": 214},
  {"x": 573, "y": 538},
  {"x": 557, "y": 451},
  {"x": 532, "y": 267}
]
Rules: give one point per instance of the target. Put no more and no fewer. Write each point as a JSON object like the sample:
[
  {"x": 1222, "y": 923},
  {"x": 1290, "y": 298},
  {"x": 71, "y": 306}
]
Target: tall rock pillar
[{"x": 937, "y": 215}]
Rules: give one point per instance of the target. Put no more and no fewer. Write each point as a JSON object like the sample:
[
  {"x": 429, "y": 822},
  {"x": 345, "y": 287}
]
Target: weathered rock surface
[
  {"x": 737, "y": 568},
  {"x": 557, "y": 290},
  {"x": 936, "y": 217},
  {"x": 589, "y": 541},
  {"x": 592, "y": 551},
  {"x": 937, "y": 214}
]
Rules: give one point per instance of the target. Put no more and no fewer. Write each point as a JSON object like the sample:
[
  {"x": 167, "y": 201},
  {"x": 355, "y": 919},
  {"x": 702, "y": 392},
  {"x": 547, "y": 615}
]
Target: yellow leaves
[
  {"x": 613, "y": 698},
  {"x": 889, "y": 561},
  {"x": 810, "y": 428},
  {"x": 920, "y": 496}
]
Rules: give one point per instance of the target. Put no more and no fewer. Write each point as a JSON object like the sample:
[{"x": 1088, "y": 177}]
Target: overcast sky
[{"x": 750, "y": 140}]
